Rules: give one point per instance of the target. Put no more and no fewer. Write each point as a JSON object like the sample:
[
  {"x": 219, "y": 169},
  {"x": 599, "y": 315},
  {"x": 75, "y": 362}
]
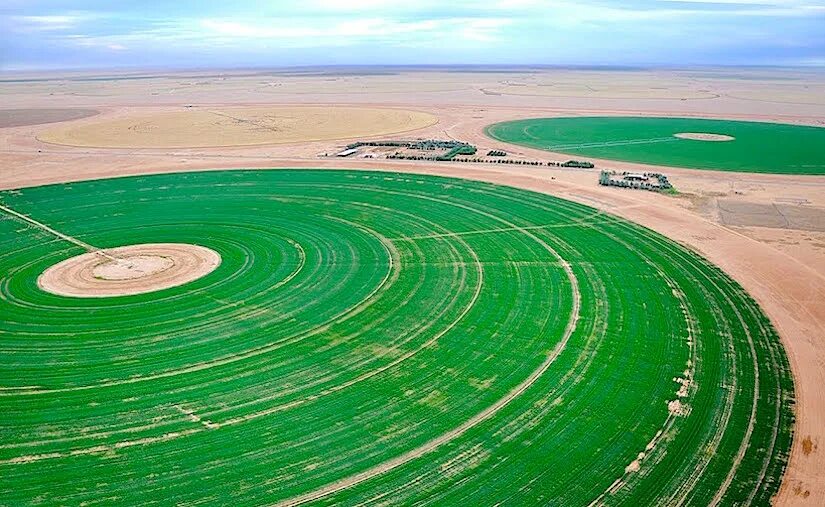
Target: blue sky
[{"x": 185, "y": 33}]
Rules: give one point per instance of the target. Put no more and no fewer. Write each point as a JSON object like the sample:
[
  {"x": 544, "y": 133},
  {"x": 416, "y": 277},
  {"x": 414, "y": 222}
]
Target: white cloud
[
  {"x": 767, "y": 8},
  {"x": 772, "y": 3},
  {"x": 502, "y": 29},
  {"x": 366, "y": 28},
  {"x": 46, "y": 23},
  {"x": 353, "y": 5}
]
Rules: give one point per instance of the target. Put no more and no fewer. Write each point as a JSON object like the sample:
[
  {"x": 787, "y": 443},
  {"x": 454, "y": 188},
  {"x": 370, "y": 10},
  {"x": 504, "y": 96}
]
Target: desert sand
[
  {"x": 127, "y": 270},
  {"x": 702, "y": 136},
  {"x": 193, "y": 127},
  {"x": 38, "y": 116},
  {"x": 765, "y": 231}
]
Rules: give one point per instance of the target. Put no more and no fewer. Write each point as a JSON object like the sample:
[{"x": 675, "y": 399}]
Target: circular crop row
[
  {"x": 378, "y": 337},
  {"x": 722, "y": 145}
]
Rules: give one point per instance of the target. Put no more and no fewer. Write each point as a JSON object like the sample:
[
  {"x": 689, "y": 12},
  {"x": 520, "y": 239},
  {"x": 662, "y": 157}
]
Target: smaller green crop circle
[{"x": 757, "y": 147}]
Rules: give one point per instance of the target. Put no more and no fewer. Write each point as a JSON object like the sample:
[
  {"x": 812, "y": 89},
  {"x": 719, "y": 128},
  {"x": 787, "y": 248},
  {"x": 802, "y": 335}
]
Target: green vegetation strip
[
  {"x": 756, "y": 147},
  {"x": 380, "y": 337}
]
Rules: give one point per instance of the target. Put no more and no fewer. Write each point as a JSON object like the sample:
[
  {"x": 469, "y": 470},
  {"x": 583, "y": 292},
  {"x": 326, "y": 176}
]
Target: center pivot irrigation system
[{"x": 373, "y": 336}]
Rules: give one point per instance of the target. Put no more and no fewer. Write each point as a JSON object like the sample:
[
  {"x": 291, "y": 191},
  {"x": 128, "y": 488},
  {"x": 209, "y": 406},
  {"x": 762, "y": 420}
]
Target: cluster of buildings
[{"x": 656, "y": 182}]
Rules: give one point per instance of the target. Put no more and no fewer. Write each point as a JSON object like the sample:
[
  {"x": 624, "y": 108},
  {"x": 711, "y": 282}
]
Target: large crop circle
[
  {"x": 379, "y": 337},
  {"x": 678, "y": 142},
  {"x": 204, "y": 127}
]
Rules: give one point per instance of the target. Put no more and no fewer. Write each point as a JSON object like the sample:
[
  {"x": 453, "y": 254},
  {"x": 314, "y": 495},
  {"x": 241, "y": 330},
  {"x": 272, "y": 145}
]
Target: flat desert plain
[{"x": 766, "y": 231}]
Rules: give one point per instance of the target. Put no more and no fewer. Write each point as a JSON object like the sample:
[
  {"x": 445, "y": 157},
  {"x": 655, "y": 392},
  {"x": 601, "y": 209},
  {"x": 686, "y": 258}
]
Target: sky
[{"x": 80, "y": 34}]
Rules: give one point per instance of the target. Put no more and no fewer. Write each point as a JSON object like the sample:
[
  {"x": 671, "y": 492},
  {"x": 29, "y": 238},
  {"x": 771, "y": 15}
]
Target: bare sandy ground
[
  {"x": 194, "y": 127},
  {"x": 28, "y": 116},
  {"x": 701, "y": 136},
  {"x": 133, "y": 269},
  {"x": 735, "y": 220}
]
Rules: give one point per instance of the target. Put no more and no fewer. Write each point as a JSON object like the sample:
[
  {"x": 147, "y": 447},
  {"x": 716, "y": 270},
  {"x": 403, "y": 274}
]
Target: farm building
[
  {"x": 347, "y": 152},
  {"x": 635, "y": 177}
]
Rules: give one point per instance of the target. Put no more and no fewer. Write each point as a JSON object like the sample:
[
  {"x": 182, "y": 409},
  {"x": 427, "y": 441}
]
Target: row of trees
[
  {"x": 426, "y": 144},
  {"x": 401, "y": 156},
  {"x": 577, "y": 164},
  {"x": 378, "y": 143},
  {"x": 501, "y": 161}
]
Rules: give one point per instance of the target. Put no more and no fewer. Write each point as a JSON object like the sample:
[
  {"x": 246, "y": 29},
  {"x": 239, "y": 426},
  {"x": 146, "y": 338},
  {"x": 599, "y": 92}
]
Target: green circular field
[
  {"x": 380, "y": 337},
  {"x": 756, "y": 147}
]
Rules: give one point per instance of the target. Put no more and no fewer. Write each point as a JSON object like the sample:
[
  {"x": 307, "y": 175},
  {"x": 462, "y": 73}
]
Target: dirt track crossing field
[{"x": 380, "y": 336}]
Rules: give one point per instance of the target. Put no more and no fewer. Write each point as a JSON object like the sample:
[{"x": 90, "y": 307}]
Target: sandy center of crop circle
[
  {"x": 133, "y": 269},
  {"x": 703, "y": 136}
]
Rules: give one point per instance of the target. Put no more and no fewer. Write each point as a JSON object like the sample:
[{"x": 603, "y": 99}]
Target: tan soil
[
  {"x": 700, "y": 136},
  {"x": 206, "y": 127},
  {"x": 133, "y": 269},
  {"x": 775, "y": 215},
  {"x": 629, "y": 91},
  {"x": 129, "y": 267},
  {"x": 22, "y": 117},
  {"x": 783, "y": 269},
  {"x": 809, "y": 249}
]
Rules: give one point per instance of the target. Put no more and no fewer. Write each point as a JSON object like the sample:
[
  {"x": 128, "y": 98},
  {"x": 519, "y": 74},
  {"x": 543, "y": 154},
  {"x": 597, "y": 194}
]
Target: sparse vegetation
[{"x": 578, "y": 164}]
